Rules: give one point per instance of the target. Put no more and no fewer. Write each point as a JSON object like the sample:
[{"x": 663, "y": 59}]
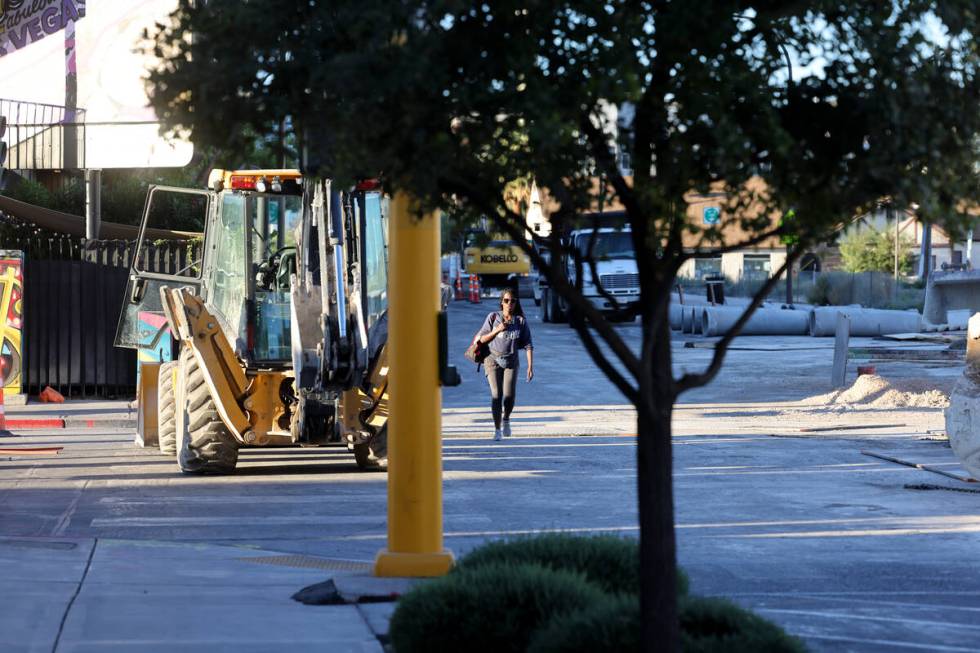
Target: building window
[
  {"x": 706, "y": 266},
  {"x": 756, "y": 266}
]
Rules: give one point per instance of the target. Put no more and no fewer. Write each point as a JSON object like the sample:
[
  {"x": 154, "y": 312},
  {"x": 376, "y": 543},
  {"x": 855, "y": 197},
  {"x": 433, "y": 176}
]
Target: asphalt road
[{"x": 826, "y": 541}]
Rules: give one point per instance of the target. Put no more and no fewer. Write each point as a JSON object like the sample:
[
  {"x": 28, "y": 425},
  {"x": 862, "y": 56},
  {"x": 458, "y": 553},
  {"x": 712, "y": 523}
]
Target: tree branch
[
  {"x": 597, "y": 138},
  {"x": 748, "y": 242},
  {"x": 509, "y": 222},
  {"x": 602, "y": 361},
  {"x": 690, "y": 381}
]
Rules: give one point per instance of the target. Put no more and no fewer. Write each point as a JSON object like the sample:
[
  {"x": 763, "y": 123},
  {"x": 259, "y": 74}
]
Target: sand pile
[{"x": 878, "y": 392}]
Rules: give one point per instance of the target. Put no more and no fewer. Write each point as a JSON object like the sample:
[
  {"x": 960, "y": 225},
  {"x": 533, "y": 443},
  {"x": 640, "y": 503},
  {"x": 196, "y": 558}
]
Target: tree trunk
[{"x": 658, "y": 550}]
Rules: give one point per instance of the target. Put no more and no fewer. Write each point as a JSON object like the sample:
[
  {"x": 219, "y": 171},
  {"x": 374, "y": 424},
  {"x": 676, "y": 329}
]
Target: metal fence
[
  {"x": 73, "y": 296},
  {"x": 838, "y": 288}
]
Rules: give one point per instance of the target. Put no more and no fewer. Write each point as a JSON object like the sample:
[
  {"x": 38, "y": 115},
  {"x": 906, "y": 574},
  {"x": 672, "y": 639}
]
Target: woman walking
[{"x": 507, "y": 332}]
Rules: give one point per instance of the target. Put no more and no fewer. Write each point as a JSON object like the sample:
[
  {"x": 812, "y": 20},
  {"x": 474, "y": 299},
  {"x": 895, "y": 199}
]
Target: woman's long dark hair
[{"x": 515, "y": 302}]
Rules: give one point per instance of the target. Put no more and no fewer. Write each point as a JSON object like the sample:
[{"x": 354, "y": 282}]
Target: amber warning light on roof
[{"x": 260, "y": 181}]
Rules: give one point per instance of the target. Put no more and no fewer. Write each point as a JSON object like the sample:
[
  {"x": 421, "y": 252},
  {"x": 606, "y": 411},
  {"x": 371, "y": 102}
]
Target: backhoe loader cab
[{"x": 278, "y": 320}]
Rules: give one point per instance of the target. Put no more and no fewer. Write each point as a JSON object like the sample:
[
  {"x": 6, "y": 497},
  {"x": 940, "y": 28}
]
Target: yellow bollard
[{"x": 415, "y": 546}]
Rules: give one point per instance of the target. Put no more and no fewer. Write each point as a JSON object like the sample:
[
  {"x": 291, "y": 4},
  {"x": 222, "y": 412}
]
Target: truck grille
[{"x": 620, "y": 281}]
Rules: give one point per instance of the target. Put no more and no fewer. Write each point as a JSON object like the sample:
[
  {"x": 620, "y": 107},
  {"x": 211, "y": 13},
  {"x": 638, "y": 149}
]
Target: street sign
[{"x": 712, "y": 215}]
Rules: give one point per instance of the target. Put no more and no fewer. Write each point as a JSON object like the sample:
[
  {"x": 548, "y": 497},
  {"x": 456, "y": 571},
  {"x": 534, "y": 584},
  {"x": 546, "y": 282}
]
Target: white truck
[{"x": 615, "y": 267}]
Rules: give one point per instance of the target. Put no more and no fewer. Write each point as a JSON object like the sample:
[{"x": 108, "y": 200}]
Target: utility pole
[
  {"x": 891, "y": 215},
  {"x": 925, "y": 252},
  {"x": 69, "y": 132},
  {"x": 93, "y": 203},
  {"x": 789, "y": 279}
]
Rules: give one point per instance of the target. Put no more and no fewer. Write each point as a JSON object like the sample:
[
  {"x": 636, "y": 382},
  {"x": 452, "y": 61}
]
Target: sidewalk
[
  {"x": 82, "y": 413},
  {"x": 59, "y": 594}
]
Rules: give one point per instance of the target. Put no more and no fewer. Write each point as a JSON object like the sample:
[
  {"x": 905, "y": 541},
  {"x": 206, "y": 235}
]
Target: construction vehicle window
[
  {"x": 284, "y": 213},
  {"x": 228, "y": 279},
  {"x": 273, "y": 222},
  {"x": 375, "y": 258},
  {"x": 166, "y": 252}
]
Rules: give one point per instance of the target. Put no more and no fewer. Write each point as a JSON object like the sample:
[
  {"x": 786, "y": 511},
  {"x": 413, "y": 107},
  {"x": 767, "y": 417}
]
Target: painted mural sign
[
  {"x": 11, "y": 319},
  {"x": 23, "y": 22}
]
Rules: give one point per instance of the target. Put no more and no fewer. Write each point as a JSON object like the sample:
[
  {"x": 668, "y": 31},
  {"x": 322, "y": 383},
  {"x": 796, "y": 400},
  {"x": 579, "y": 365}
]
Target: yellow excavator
[{"x": 279, "y": 322}]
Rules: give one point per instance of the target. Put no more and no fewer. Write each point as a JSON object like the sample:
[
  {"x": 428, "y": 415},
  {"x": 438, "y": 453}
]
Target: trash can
[{"x": 714, "y": 285}]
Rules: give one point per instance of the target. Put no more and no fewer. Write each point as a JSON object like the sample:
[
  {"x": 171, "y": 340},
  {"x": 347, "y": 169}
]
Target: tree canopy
[
  {"x": 796, "y": 116},
  {"x": 873, "y": 250}
]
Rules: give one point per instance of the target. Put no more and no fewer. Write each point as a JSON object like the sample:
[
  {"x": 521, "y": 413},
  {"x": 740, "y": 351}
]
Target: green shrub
[
  {"x": 612, "y": 563},
  {"x": 819, "y": 293},
  {"x": 611, "y": 625},
  {"x": 707, "y": 626},
  {"x": 69, "y": 198},
  {"x": 123, "y": 199},
  {"x": 492, "y": 609},
  {"x": 711, "y": 625},
  {"x": 29, "y": 191}
]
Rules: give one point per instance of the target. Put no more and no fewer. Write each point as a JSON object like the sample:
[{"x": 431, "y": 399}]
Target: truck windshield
[
  {"x": 375, "y": 257},
  {"x": 608, "y": 245}
]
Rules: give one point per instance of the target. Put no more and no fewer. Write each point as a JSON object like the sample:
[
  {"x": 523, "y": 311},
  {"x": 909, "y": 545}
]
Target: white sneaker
[
  {"x": 496, "y": 434},
  {"x": 506, "y": 428}
]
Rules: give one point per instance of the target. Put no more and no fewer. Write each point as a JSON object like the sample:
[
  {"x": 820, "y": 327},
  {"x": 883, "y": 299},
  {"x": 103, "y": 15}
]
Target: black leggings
[{"x": 503, "y": 391}]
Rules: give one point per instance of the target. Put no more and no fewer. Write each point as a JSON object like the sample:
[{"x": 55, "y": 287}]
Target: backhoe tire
[
  {"x": 373, "y": 454},
  {"x": 209, "y": 447},
  {"x": 167, "y": 410}
]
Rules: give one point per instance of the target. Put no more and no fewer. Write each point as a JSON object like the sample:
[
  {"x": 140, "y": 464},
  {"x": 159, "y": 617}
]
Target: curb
[
  {"x": 34, "y": 423},
  {"x": 109, "y": 423},
  {"x": 37, "y": 423}
]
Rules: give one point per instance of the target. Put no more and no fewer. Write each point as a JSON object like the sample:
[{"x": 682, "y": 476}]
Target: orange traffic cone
[
  {"x": 459, "y": 287},
  {"x": 474, "y": 289},
  {"x": 51, "y": 396},
  {"x": 3, "y": 417}
]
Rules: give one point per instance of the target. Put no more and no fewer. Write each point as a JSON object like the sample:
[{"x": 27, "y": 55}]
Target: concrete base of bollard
[{"x": 963, "y": 421}]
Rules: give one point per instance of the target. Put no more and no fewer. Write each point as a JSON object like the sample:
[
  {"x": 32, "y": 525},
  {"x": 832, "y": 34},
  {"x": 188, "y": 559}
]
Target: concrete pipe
[
  {"x": 687, "y": 319},
  {"x": 865, "y": 322},
  {"x": 690, "y": 299},
  {"x": 675, "y": 315},
  {"x": 696, "y": 325},
  {"x": 716, "y": 321}
]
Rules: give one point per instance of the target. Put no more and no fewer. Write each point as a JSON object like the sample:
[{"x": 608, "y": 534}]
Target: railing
[
  {"x": 73, "y": 295},
  {"x": 43, "y": 136}
]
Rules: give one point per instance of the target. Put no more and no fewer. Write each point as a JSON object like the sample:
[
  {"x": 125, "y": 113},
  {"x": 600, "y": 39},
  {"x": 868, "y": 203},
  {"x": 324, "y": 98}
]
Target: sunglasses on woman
[{"x": 506, "y": 300}]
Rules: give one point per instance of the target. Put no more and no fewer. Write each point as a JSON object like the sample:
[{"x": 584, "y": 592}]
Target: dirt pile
[{"x": 878, "y": 392}]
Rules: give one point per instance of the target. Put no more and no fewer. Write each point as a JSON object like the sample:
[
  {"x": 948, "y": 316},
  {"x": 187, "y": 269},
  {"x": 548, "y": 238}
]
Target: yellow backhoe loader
[{"x": 279, "y": 324}]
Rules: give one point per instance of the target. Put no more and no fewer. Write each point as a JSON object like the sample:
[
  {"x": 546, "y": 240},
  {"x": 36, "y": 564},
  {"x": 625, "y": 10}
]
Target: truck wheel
[
  {"x": 167, "y": 410},
  {"x": 209, "y": 446},
  {"x": 373, "y": 454}
]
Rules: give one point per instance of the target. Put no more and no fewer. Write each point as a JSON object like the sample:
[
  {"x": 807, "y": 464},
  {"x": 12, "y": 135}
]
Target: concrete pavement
[
  {"x": 87, "y": 594},
  {"x": 108, "y": 547}
]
